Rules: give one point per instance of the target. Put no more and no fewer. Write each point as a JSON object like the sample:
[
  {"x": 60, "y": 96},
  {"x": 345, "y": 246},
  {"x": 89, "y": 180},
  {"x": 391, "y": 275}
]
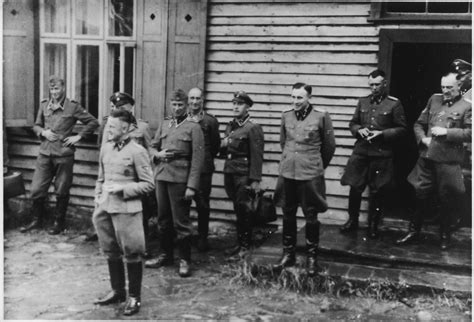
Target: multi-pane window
[{"x": 91, "y": 44}]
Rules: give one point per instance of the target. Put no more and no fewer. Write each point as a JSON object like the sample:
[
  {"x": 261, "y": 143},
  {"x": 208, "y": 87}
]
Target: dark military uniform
[
  {"x": 371, "y": 162},
  {"x": 308, "y": 145},
  {"x": 56, "y": 160},
  {"x": 118, "y": 216},
  {"x": 172, "y": 177},
  {"x": 439, "y": 166},
  {"x": 210, "y": 129},
  {"x": 243, "y": 165}
]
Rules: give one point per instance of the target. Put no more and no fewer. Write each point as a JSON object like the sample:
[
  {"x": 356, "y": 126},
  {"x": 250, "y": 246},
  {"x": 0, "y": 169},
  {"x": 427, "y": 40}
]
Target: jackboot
[
  {"x": 414, "y": 227},
  {"x": 374, "y": 217},
  {"x": 352, "y": 224},
  {"x": 312, "y": 244},
  {"x": 37, "y": 212},
  {"x": 184, "y": 247},
  {"x": 117, "y": 282},
  {"x": 445, "y": 224},
  {"x": 289, "y": 244},
  {"x": 203, "y": 230},
  {"x": 60, "y": 218},
  {"x": 165, "y": 258},
  {"x": 135, "y": 274}
]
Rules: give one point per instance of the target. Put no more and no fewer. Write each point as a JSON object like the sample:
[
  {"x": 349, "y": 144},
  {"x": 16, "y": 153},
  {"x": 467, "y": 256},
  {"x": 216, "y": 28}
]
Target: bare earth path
[{"x": 58, "y": 277}]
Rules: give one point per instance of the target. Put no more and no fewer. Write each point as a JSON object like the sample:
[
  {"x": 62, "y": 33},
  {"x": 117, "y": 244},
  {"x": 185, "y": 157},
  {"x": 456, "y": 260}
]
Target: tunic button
[
  {"x": 377, "y": 172},
  {"x": 372, "y": 118}
]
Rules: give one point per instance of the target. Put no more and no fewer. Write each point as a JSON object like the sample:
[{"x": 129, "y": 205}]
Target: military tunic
[
  {"x": 439, "y": 165},
  {"x": 371, "y": 162},
  {"x": 174, "y": 175},
  {"x": 212, "y": 140},
  {"x": 308, "y": 145},
  {"x": 118, "y": 216},
  {"x": 56, "y": 160},
  {"x": 243, "y": 165}
]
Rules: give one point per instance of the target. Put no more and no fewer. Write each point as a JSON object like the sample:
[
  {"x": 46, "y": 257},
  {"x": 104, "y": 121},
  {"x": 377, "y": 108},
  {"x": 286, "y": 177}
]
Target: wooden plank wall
[{"x": 263, "y": 47}]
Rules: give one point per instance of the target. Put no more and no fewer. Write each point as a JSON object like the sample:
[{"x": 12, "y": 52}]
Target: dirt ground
[{"x": 58, "y": 277}]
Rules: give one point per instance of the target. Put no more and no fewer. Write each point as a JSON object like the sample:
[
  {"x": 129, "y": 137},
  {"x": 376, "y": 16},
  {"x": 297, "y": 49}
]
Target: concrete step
[{"x": 354, "y": 257}]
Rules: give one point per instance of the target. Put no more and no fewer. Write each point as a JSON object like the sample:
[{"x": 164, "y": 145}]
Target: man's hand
[
  {"x": 439, "y": 131},
  {"x": 373, "y": 135},
  {"x": 189, "y": 194},
  {"x": 113, "y": 188},
  {"x": 164, "y": 154},
  {"x": 71, "y": 140},
  {"x": 426, "y": 141},
  {"x": 364, "y": 132},
  {"x": 255, "y": 186},
  {"x": 50, "y": 135}
]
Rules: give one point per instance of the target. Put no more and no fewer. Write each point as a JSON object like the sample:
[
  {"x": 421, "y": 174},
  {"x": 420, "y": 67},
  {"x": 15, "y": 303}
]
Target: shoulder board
[
  {"x": 288, "y": 110},
  {"x": 211, "y": 115},
  {"x": 252, "y": 121},
  {"x": 143, "y": 121},
  {"x": 392, "y": 98},
  {"x": 44, "y": 100},
  {"x": 74, "y": 101},
  {"x": 168, "y": 118},
  {"x": 192, "y": 120},
  {"x": 438, "y": 94},
  {"x": 318, "y": 109}
]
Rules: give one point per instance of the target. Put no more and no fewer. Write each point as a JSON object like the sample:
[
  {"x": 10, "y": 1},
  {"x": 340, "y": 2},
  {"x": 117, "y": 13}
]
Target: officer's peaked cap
[
  {"x": 243, "y": 97},
  {"x": 119, "y": 99},
  {"x": 461, "y": 66},
  {"x": 179, "y": 95}
]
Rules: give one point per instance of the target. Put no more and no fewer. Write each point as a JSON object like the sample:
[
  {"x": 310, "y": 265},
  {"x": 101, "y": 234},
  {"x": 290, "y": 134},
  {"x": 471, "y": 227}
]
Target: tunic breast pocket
[
  {"x": 454, "y": 120},
  {"x": 238, "y": 143},
  {"x": 311, "y": 132},
  {"x": 384, "y": 118},
  {"x": 65, "y": 122},
  {"x": 184, "y": 144},
  {"x": 127, "y": 167}
]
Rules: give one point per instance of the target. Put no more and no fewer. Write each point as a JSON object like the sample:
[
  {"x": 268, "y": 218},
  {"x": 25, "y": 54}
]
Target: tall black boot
[
  {"x": 135, "y": 275},
  {"x": 165, "y": 258},
  {"x": 184, "y": 246},
  {"x": 416, "y": 222},
  {"x": 37, "y": 212},
  {"x": 312, "y": 244},
  {"x": 447, "y": 207},
  {"x": 374, "y": 217},
  {"x": 117, "y": 282},
  {"x": 289, "y": 241},
  {"x": 60, "y": 216},
  {"x": 203, "y": 229},
  {"x": 352, "y": 224}
]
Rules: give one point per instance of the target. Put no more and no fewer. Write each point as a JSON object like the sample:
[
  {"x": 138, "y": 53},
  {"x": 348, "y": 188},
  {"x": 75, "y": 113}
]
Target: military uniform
[
  {"x": 243, "y": 165},
  {"x": 439, "y": 166},
  {"x": 308, "y": 145},
  {"x": 118, "y": 219},
  {"x": 56, "y": 160},
  {"x": 210, "y": 129},
  {"x": 173, "y": 176},
  {"x": 139, "y": 132},
  {"x": 371, "y": 162}
]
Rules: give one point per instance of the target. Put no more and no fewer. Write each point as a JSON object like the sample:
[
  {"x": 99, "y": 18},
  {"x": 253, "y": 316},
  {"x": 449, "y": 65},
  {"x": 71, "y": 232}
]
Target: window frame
[
  {"x": 379, "y": 15},
  {"x": 72, "y": 41}
]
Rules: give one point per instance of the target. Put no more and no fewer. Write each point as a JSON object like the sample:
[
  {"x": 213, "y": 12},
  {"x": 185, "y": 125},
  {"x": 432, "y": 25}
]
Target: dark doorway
[{"x": 416, "y": 71}]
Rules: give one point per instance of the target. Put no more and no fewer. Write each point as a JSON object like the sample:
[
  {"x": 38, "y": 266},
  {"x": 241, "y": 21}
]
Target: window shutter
[{"x": 18, "y": 62}]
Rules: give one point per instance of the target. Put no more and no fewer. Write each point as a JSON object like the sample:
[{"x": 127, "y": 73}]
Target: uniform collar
[
  {"x": 178, "y": 121},
  {"x": 196, "y": 117},
  {"x": 451, "y": 101},
  {"x": 301, "y": 114},
  {"x": 240, "y": 123},
  {"x": 377, "y": 98},
  {"x": 119, "y": 145},
  {"x": 60, "y": 105}
]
